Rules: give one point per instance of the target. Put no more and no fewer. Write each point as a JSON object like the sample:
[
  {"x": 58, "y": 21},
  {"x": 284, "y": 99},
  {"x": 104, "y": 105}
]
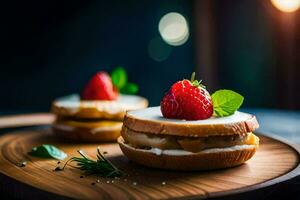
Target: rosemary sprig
[{"x": 101, "y": 167}]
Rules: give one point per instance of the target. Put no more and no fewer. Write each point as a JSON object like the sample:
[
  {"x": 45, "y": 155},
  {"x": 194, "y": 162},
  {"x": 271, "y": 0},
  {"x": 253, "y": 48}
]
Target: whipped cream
[{"x": 93, "y": 131}]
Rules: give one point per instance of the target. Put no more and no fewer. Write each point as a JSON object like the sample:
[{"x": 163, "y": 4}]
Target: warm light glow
[
  {"x": 286, "y": 5},
  {"x": 174, "y": 29}
]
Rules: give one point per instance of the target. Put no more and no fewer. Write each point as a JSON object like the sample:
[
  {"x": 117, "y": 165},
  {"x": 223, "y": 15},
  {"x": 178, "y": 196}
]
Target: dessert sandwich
[
  {"x": 97, "y": 114},
  {"x": 191, "y": 130}
]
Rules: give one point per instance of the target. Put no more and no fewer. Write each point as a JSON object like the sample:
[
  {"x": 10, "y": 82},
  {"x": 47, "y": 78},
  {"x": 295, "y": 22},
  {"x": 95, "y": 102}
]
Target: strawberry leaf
[
  {"x": 119, "y": 77},
  {"x": 226, "y": 102},
  {"x": 129, "y": 88}
]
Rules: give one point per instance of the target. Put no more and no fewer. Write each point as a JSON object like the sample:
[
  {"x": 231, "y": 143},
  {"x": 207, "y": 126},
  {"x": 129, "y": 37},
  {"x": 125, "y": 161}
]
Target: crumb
[
  {"x": 58, "y": 168},
  {"x": 22, "y": 164}
]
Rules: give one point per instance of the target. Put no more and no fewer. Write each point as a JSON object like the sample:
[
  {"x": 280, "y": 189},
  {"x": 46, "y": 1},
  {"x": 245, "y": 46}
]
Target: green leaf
[
  {"x": 119, "y": 77},
  {"x": 129, "y": 88},
  {"x": 47, "y": 151},
  {"x": 226, "y": 102}
]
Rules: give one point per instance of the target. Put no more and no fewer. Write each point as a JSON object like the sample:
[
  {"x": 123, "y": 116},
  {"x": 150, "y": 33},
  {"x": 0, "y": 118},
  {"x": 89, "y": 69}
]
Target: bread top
[
  {"x": 72, "y": 106},
  {"x": 150, "y": 120}
]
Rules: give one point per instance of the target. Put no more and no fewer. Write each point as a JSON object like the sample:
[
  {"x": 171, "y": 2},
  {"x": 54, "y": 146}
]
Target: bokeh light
[
  {"x": 286, "y": 5},
  {"x": 174, "y": 29},
  {"x": 158, "y": 50}
]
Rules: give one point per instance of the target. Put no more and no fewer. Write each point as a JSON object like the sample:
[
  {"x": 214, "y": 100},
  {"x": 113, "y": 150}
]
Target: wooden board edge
[
  {"x": 263, "y": 187},
  {"x": 31, "y": 191}
]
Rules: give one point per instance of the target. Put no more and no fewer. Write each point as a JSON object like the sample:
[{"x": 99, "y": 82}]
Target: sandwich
[
  {"x": 190, "y": 130},
  {"x": 97, "y": 114}
]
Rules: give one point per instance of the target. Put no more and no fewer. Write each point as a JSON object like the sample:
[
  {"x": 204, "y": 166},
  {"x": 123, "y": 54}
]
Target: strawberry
[
  {"x": 99, "y": 87},
  {"x": 187, "y": 100}
]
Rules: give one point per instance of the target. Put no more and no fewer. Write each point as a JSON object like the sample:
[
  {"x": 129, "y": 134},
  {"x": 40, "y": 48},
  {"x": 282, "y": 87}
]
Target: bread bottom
[
  {"x": 109, "y": 134},
  {"x": 206, "y": 160}
]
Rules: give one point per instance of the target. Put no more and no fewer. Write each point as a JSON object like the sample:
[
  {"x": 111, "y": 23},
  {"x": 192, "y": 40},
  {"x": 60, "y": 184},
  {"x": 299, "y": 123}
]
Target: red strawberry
[
  {"x": 187, "y": 100},
  {"x": 99, "y": 87}
]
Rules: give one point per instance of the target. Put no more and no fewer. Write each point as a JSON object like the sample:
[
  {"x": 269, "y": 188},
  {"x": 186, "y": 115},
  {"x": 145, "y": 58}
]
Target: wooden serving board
[{"x": 275, "y": 162}]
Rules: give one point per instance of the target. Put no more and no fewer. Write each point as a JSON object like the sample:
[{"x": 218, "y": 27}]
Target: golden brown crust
[
  {"x": 81, "y": 134},
  {"x": 196, "y": 161},
  {"x": 190, "y": 130},
  {"x": 95, "y": 109},
  {"x": 85, "y": 113}
]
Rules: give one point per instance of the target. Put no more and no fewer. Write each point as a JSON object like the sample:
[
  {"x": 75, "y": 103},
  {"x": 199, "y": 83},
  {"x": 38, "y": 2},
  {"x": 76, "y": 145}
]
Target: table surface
[{"x": 282, "y": 123}]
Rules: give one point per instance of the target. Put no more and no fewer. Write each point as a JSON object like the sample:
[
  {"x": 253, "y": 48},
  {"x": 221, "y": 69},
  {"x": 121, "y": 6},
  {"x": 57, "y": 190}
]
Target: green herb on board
[
  {"x": 101, "y": 167},
  {"x": 47, "y": 151}
]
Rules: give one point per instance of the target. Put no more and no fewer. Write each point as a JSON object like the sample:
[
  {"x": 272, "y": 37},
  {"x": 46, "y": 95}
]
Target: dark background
[{"x": 51, "y": 48}]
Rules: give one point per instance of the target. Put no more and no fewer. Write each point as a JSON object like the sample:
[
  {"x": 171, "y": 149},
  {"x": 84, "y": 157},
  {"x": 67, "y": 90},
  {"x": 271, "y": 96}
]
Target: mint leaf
[
  {"x": 226, "y": 102},
  {"x": 47, "y": 151},
  {"x": 119, "y": 77},
  {"x": 129, "y": 88}
]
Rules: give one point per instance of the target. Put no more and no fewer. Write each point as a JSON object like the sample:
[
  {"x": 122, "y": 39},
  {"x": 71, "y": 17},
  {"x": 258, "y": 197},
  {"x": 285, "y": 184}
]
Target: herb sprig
[{"x": 101, "y": 167}]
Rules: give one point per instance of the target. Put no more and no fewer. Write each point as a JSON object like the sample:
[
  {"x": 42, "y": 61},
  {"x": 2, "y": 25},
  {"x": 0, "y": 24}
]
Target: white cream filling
[
  {"x": 180, "y": 152},
  {"x": 93, "y": 131},
  {"x": 108, "y": 128},
  {"x": 64, "y": 127}
]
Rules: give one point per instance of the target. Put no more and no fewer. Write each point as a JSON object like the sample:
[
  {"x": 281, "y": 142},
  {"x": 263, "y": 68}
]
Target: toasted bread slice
[
  {"x": 182, "y": 160},
  {"x": 72, "y": 106},
  {"x": 94, "y": 131},
  {"x": 151, "y": 121}
]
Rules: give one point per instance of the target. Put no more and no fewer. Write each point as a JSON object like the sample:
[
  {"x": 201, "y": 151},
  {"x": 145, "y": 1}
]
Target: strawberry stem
[
  {"x": 193, "y": 77},
  {"x": 196, "y": 83}
]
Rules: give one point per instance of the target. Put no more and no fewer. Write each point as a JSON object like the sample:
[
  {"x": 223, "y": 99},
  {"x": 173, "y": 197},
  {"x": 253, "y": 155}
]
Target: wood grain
[{"x": 274, "y": 162}]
